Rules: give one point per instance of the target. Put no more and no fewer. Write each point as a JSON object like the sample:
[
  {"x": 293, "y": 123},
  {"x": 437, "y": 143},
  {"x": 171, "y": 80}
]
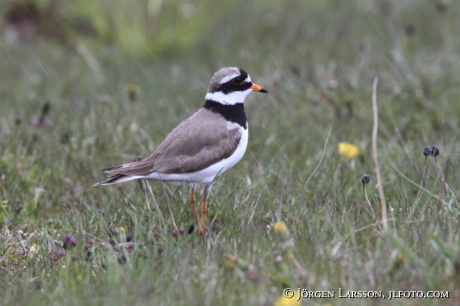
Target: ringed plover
[{"x": 203, "y": 146}]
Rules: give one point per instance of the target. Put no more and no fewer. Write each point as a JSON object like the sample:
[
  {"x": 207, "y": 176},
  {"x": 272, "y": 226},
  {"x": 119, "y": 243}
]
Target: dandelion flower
[
  {"x": 285, "y": 301},
  {"x": 230, "y": 260},
  {"x": 280, "y": 227},
  {"x": 348, "y": 150}
]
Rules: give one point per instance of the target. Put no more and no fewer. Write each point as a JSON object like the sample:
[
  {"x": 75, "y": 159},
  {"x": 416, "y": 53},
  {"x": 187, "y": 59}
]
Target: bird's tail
[{"x": 117, "y": 178}]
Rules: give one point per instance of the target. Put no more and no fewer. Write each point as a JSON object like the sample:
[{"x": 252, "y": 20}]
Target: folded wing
[{"x": 198, "y": 142}]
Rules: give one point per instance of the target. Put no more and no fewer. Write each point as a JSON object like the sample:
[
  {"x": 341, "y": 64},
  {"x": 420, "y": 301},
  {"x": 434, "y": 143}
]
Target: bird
[{"x": 202, "y": 147}]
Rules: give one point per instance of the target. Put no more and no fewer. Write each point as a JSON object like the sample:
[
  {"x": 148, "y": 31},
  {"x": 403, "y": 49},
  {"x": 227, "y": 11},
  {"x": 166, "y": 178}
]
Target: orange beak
[{"x": 257, "y": 88}]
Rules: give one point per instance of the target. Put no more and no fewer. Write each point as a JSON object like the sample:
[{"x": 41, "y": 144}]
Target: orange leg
[
  {"x": 203, "y": 209},
  {"x": 192, "y": 200}
]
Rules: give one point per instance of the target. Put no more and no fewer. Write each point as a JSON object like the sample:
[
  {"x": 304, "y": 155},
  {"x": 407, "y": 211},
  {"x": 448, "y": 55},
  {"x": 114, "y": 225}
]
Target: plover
[{"x": 203, "y": 146}]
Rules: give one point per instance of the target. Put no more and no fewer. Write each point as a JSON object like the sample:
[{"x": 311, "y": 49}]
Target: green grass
[{"x": 318, "y": 63}]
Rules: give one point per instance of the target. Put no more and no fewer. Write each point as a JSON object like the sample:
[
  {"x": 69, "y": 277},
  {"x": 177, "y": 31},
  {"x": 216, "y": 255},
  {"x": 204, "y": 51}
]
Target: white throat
[{"x": 231, "y": 98}]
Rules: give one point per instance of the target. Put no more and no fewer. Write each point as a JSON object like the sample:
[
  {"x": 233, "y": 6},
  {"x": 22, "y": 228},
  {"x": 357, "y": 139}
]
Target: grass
[{"x": 318, "y": 62}]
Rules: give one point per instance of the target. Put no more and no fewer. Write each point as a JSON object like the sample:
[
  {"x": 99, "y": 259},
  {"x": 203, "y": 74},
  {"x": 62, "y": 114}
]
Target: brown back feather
[{"x": 198, "y": 142}]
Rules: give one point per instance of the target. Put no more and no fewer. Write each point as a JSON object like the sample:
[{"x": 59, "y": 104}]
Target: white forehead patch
[
  {"x": 228, "y": 78},
  {"x": 232, "y": 76}
]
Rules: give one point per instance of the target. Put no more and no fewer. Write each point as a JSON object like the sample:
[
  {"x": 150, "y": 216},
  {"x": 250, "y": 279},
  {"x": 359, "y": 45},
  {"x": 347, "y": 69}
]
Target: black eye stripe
[
  {"x": 236, "y": 84},
  {"x": 239, "y": 80},
  {"x": 230, "y": 87}
]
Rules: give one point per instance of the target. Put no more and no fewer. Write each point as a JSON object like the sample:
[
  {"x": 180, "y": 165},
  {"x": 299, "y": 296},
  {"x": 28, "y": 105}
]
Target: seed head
[
  {"x": 69, "y": 241},
  {"x": 427, "y": 151},
  {"x": 410, "y": 30},
  {"x": 434, "y": 150},
  {"x": 89, "y": 244},
  {"x": 442, "y": 6},
  {"x": 366, "y": 179},
  {"x": 89, "y": 256},
  {"x": 45, "y": 108},
  {"x": 133, "y": 92},
  {"x": 60, "y": 253}
]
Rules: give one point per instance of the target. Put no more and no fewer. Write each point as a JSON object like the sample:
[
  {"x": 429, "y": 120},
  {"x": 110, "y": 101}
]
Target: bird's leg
[
  {"x": 204, "y": 208},
  {"x": 192, "y": 200}
]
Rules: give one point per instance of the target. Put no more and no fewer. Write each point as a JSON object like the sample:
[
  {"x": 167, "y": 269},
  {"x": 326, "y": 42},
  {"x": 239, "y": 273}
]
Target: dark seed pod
[
  {"x": 434, "y": 151},
  {"x": 45, "y": 108},
  {"x": 133, "y": 92},
  {"x": 122, "y": 259},
  {"x": 69, "y": 241},
  {"x": 427, "y": 151},
  {"x": 366, "y": 179}
]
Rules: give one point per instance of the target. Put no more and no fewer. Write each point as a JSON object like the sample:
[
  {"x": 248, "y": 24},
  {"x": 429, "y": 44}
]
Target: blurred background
[
  {"x": 102, "y": 82},
  {"x": 332, "y": 44}
]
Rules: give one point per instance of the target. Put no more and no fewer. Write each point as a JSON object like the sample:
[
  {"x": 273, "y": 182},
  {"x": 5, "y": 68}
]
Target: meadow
[{"x": 293, "y": 213}]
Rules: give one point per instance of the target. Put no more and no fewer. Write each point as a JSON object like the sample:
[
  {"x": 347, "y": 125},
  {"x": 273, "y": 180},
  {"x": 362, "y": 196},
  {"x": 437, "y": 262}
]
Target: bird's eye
[{"x": 238, "y": 80}]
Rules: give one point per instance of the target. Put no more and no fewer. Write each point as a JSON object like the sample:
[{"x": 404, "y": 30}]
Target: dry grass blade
[{"x": 375, "y": 155}]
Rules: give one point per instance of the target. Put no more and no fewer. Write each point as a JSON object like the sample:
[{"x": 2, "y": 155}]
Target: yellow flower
[
  {"x": 230, "y": 260},
  {"x": 293, "y": 301},
  {"x": 280, "y": 227},
  {"x": 348, "y": 150}
]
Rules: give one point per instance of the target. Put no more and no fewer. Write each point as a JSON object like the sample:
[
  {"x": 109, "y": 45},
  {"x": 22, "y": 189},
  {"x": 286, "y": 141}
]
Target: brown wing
[{"x": 198, "y": 142}]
